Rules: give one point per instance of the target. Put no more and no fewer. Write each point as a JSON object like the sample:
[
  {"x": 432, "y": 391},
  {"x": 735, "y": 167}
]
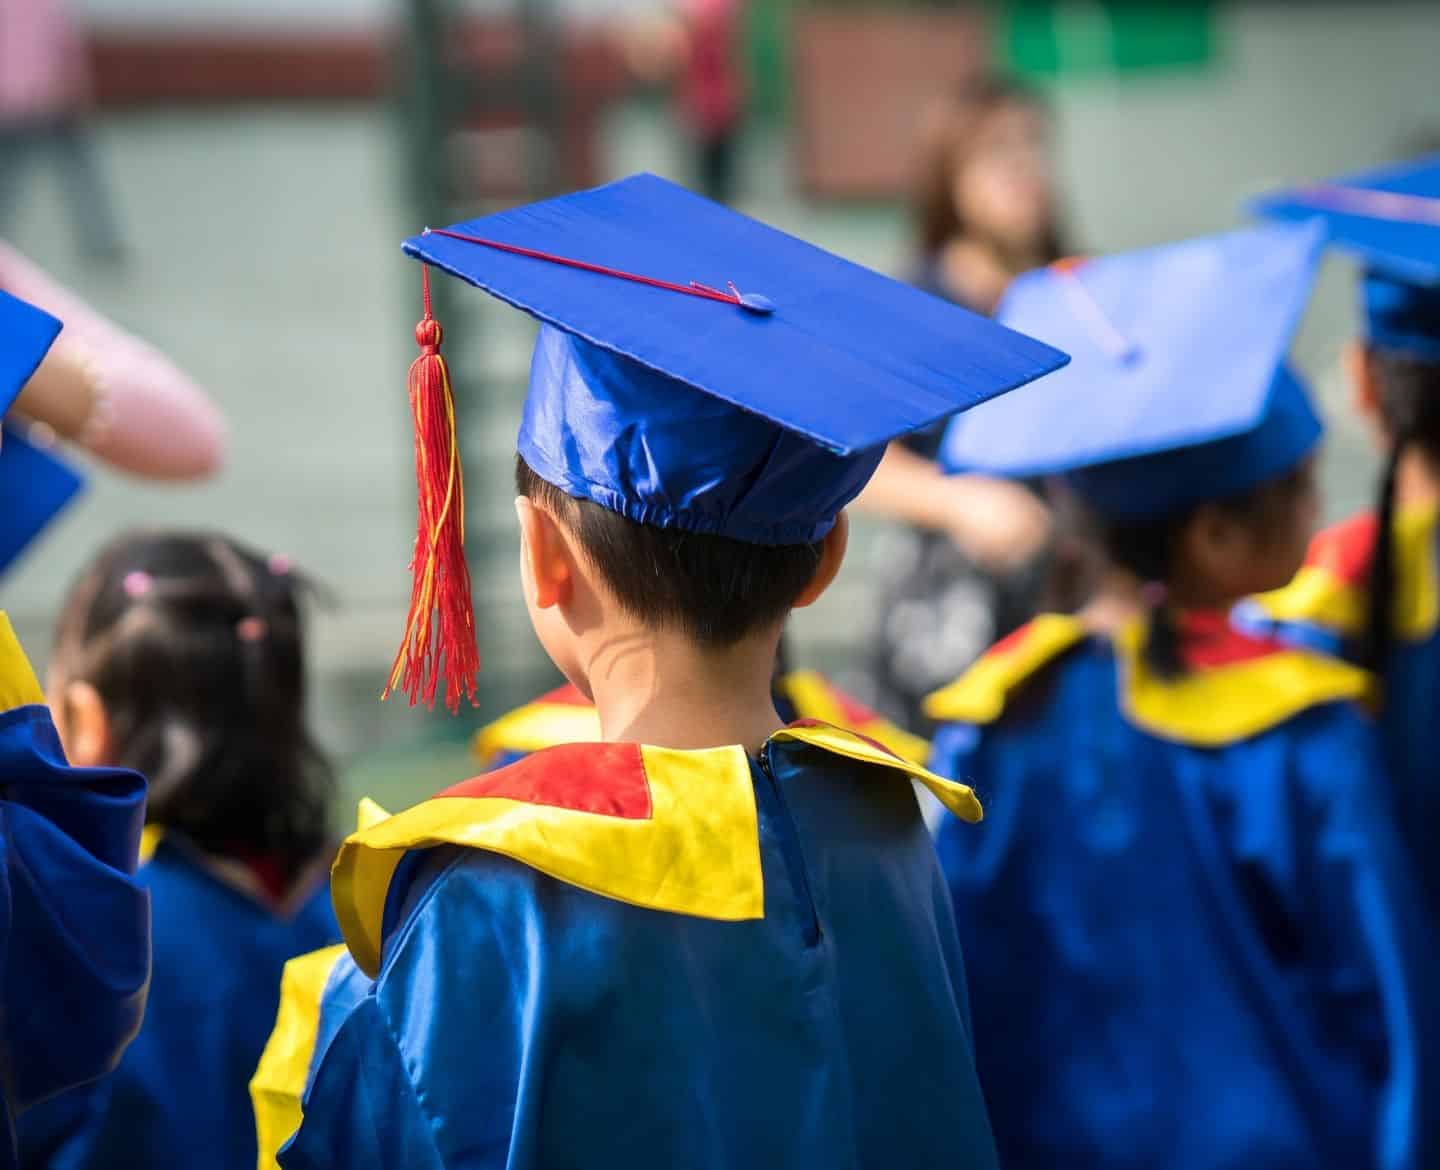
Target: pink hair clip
[
  {"x": 251, "y": 629},
  {"x": 278, "y": 564},
  {"x": 137, "y": 584}
]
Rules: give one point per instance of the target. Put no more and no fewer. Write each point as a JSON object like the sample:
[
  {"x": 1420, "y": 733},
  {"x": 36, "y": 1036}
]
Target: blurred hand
[{"x": 1002, "y": 526}]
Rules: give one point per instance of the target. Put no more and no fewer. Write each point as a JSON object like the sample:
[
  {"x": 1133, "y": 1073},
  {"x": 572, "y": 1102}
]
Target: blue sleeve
[
  {"x": 361, "y": 1109},
  {"x": 76, "y": 946}
]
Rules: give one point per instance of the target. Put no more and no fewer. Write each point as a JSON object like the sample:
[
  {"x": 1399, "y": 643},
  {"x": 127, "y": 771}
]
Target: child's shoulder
[
  {"x": 615, "y": 819},
  {"x": 1329, "y": 590},
  {"x": 813, "y": 696},
  {"x": 563, "y": 715},
  {"x": 983, "y": 693}
]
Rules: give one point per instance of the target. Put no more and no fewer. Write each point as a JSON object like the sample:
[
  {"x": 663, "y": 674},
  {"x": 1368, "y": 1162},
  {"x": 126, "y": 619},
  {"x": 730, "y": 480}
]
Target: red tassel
[{"x": 440, "y": 629}]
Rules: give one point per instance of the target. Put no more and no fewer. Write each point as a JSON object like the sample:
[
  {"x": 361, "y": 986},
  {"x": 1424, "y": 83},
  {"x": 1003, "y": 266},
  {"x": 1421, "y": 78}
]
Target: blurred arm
[
  {"x": 999, "y": 524},
  {"x": 111, "y": 392}
]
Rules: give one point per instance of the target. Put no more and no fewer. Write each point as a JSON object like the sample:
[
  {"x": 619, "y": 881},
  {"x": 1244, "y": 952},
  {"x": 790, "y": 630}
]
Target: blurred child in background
[
  {"x": 1191, "y": 936},
  {"x": 1370, "y": 587},
  {"x": 182, "y": 656},
  {"x": 975, "y": 562},
  {"x": 74, "y": 922}
]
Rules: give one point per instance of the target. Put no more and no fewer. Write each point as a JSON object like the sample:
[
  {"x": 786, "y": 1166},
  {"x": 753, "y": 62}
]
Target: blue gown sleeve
[
  {"x": 74, "y": 923},
  {"x": 361, "y": 1110}
]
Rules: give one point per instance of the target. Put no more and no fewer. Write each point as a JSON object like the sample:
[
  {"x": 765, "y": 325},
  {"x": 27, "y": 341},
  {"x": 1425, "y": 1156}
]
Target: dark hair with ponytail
[
  {"x": 1410, "y": 406},
  {"x": 194, "y": 643},
  {"x": 1146, "y": 548}
]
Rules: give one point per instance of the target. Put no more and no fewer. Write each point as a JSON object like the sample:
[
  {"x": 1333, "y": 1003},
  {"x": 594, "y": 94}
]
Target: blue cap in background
[{"x": 1178, "y": 391}]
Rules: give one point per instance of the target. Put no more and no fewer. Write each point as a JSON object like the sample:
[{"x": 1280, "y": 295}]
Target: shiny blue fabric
[
  {"x": 74, "y": 923},
  {"x": 26, "y": 334},
  {"x": 1187, "y": 958},
  {"x": 35, "y": 486},
  {"x": 180, "y": 1096},
  {"x": 521, "y": 1022},
  {"x": 607, "y": 429}
]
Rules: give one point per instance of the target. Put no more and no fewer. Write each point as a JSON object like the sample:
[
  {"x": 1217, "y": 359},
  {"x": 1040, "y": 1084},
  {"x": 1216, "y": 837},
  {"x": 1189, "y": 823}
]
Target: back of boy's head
[
  {"x": 713, "y": 589},
  {"x": 194, "y": 644}
]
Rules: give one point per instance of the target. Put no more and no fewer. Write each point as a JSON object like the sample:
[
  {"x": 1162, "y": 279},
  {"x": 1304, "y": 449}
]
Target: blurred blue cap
[
  {"x": 1390, "y": 218},
  {"x": 35, "y": 485},
  {"x": 1178, "y": 390},
  {"x": 26, "y": 334},
  {"x": 755, "y": 413}
]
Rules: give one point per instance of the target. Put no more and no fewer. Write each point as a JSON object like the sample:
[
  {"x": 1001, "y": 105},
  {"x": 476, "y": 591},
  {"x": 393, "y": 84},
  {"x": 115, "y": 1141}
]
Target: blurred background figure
[
  {"x": 45, "y": 93},
  {"x": 697, "y": 45},
  {"x": 973, "y": 564}
]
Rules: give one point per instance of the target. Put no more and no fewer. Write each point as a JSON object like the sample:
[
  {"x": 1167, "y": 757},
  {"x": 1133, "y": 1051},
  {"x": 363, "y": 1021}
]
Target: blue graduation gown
[
  {"x": 74, "y": 923},
  {"x": 1327, "y": 606},
  {"x": 615, "y": 956},
  {"x": 1188, "y": 937},
  {"x": 179, "y": 1096}
]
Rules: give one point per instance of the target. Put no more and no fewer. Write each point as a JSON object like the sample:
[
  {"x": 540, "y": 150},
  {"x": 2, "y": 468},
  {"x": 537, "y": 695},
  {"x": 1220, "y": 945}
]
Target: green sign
[{"x": 1062, "y": 38}]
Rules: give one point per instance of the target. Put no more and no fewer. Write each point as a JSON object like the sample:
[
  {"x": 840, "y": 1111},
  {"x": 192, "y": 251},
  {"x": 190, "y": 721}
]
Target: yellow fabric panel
[
  {"x": 813, "y": 697},
  {"x": 18, "y": 685},
  {"x": 960, "y": 799},
  {"x": 535, "y": 726},
  {"x": 690, "y": 857},
  {"x": 150, "y": 838},
  {"x": 980, "y": 694},
  {"x": 1224, "y": 704},
  {"x": 278, "y": 1086},
  {"x": 1318, "y": 596},
  {"x": 368, "y": 813}
]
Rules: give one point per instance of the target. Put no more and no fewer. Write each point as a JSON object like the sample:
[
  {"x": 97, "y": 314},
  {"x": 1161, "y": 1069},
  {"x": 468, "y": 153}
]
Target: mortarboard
[
  {"x": 697, "y": 369},
  {"x": 26, "y": 334},
  {"x": 35, "y": 486},
  {"x": 1390, "y": 219},
  {"x": 1178, "y": 391}
]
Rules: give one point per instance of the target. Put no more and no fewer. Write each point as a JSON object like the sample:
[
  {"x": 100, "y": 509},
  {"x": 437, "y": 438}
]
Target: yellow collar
[
  {"x": 18, "y": 685},
  {"x": 619, "y": 820},
  {"x": 980, "y": 694},
  {"x": 1218, "y": 705}
]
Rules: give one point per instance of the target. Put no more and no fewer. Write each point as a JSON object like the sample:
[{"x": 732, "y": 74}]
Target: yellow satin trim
[
  {"x": 979, "y": 695},
  {"x": 812, "y": 696},
  {"x": 960, "y": 799},
  {"x": 696, "y": 857},
  {"x": 18, "y": 685},
  {"x": 1317, "y": 596},
  {"x": 535, "y": 726},
  {"x": 278, "y": 1086},
  {"x": 1224, "y": 704},
  {"x": 150, "y": 838}
]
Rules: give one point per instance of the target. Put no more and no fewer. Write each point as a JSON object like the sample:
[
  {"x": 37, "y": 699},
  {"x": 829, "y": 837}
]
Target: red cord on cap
[{"x": 753, "y": 302}]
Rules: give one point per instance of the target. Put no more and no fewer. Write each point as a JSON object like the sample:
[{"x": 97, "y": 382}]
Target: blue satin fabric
[
  {"x": 522, "y": 1022},
  {"x": 1187, "y": 958},
  {"x": 1401, "y": 316},
  {"x": 35, "y": 485},
  {"x": 605, "y": 428},
  {"x": 74, "y": 923},
  {"x": 180, "y": 1095}
]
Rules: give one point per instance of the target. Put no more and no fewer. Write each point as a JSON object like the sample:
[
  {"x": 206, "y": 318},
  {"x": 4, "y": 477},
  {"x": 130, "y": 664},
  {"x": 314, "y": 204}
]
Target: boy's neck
[{"x": 664, "y": 690}]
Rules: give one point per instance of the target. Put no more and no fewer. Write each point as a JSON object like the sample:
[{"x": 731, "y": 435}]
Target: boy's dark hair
[
  {"x": 1146, "y": 548},
  {"x": 1410, "y": 405},
  {"x": 194, "y": 644},
  {"x": 713, "y": 589}
]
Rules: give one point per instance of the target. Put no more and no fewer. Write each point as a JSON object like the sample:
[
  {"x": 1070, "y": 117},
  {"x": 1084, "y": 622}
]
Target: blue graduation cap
[
  {"x": 35, "y": 486},
  {"x": 26, "y": 334},
  {"x": 1390, "y": 219},
  {"x": 1178, "y": 391},
  {"x": 697, "y": 369}
]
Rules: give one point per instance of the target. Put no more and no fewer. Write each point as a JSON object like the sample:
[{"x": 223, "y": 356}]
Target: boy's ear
[
  {"x": 84, "y": 725},
  {"x": 832, "y": 555},
  {"x": 547, "y": 564}
]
